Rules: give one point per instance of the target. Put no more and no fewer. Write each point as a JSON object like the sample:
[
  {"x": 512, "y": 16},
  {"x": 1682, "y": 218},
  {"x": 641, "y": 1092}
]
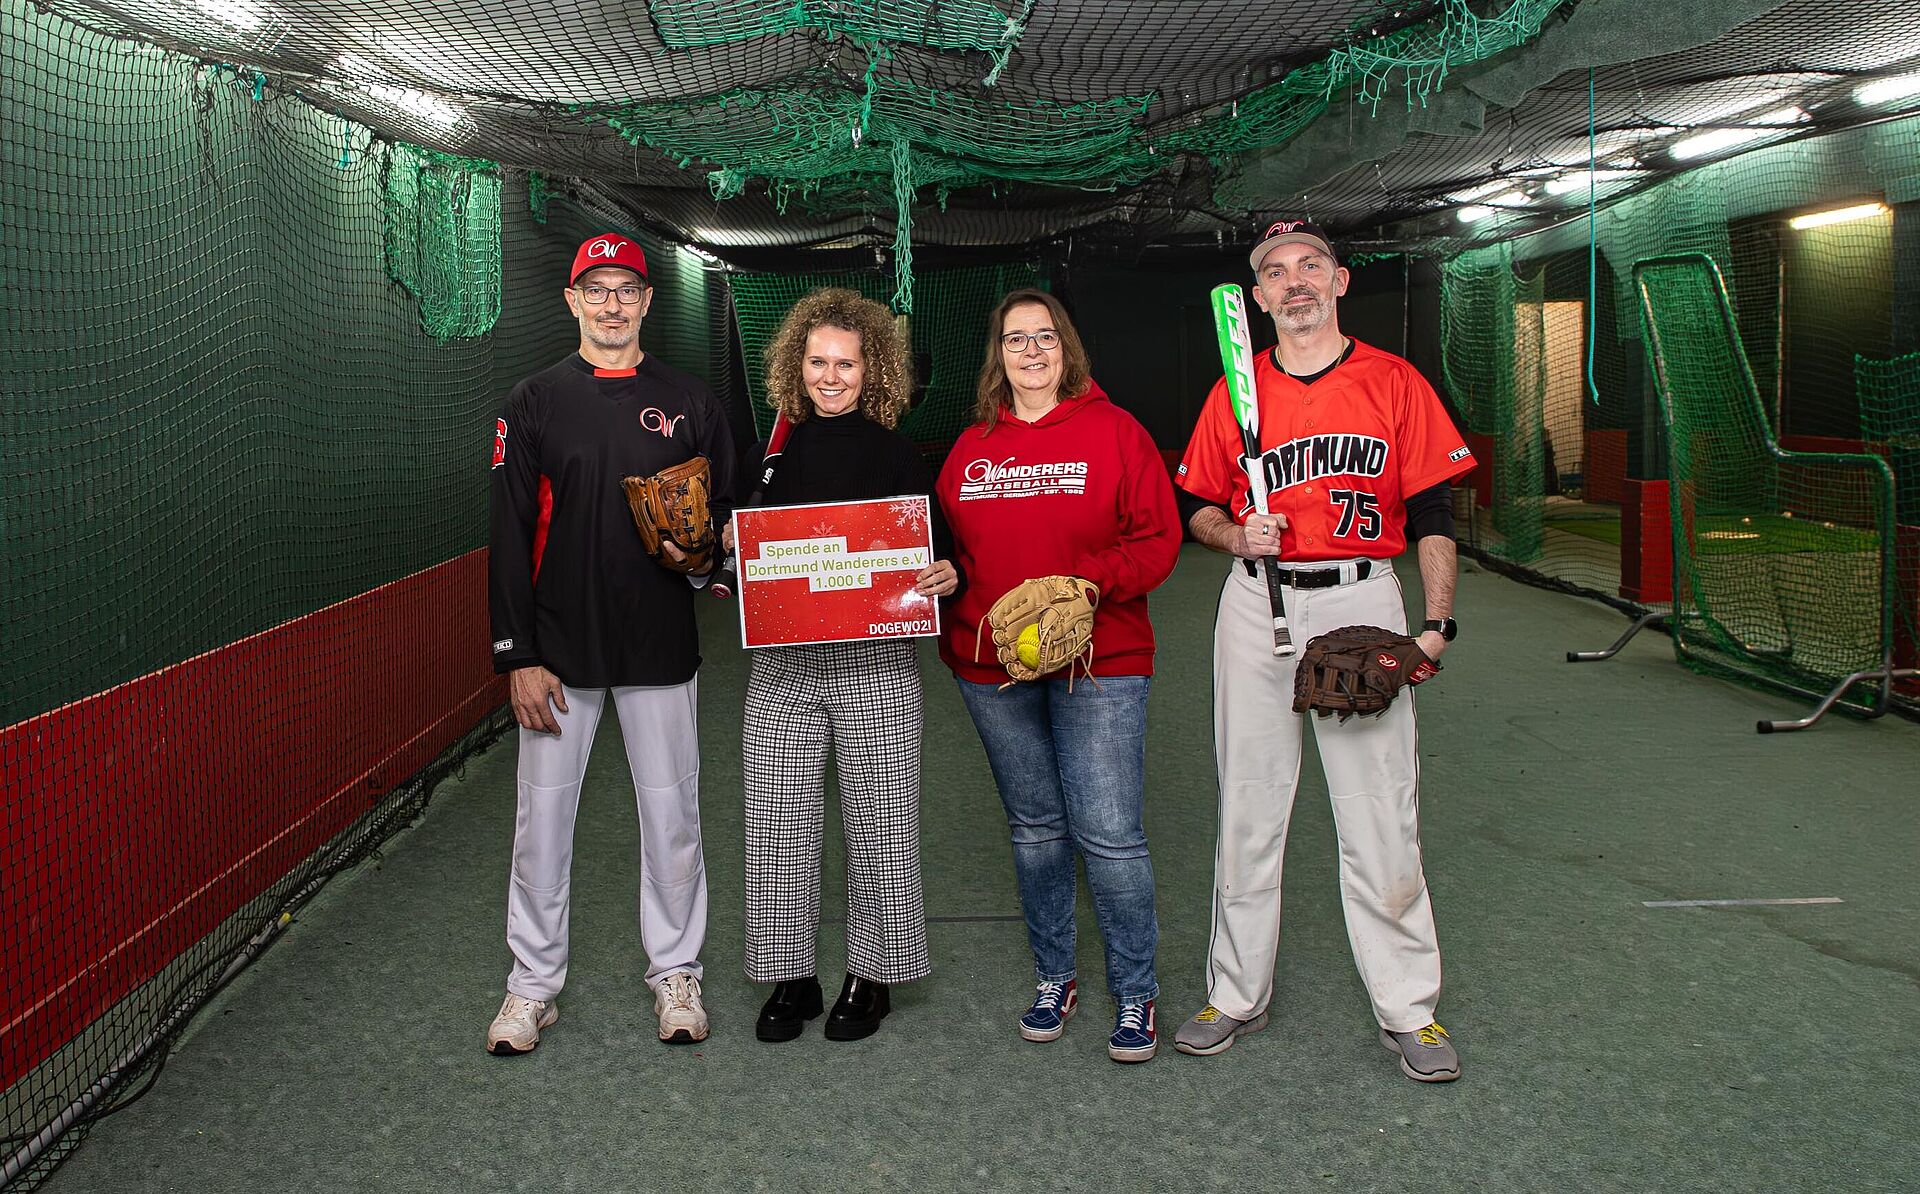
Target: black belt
[{"x": 1312, "y": 578}]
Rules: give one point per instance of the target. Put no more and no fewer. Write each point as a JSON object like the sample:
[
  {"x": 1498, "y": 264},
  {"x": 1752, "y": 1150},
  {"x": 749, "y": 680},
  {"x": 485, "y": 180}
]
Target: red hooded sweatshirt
[{"x": 1082, "y": 492}]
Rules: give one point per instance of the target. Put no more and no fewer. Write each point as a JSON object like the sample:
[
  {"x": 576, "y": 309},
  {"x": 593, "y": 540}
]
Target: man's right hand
[{"x": 532, "y": 687}]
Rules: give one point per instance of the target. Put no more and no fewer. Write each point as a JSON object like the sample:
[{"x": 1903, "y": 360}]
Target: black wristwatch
[{"x": 1446, "y": 626}]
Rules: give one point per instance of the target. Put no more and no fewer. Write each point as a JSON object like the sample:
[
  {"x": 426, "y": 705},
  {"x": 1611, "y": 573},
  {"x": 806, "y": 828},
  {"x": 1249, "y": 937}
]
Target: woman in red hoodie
[{"x": 1056, "y": 480}]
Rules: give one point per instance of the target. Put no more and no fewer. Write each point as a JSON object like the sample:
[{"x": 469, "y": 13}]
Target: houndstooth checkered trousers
[{"x": 863, "y": 700}]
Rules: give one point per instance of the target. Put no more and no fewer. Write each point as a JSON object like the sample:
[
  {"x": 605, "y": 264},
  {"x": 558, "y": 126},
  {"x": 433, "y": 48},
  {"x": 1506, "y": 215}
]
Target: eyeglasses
[
  {"x": 1047, "y": 341},
  {"x": 594, "y": 296}
]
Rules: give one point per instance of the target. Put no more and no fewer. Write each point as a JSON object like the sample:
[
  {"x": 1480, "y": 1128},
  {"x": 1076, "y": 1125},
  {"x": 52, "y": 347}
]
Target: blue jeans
[{"x": 1071, "y": 768}]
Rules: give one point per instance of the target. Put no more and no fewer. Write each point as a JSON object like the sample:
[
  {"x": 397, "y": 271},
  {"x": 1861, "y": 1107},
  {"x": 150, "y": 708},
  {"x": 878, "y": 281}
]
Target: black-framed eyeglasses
[
  {"x": 1047, "y": 341},
  {"x": 594, "y": 296}
]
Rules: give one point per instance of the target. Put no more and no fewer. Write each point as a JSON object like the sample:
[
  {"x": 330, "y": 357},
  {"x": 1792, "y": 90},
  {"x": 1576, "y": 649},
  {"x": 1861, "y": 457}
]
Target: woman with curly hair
[{"x": 838, "y": 371}]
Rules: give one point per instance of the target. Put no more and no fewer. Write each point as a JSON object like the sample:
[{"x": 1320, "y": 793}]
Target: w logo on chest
[{"x": 657, "y": 420}]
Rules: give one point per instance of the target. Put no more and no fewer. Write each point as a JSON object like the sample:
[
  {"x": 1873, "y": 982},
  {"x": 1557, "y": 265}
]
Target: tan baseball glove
[
  {"x": 1059, "y": 611},
  {"x": 671, "y": 507}
]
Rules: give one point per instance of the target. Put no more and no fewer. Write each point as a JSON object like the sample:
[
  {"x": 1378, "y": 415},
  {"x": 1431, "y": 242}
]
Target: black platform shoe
[
  {"x": 863, "y": 1003},
  {"x": 785, "y": 1013}
]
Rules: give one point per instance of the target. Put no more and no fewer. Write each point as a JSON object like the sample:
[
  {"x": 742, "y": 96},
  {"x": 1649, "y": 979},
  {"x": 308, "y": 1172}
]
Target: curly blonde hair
[{"x": 889, "y": 381}]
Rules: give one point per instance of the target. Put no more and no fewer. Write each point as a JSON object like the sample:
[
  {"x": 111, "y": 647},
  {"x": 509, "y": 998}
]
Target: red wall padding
[
  {"x": 135, "y": 821},
  {"x": 1606, "y": 466}
]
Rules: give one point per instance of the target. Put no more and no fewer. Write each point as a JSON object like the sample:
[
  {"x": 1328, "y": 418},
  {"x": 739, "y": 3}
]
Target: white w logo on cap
[{"x": 605, "y": 248}]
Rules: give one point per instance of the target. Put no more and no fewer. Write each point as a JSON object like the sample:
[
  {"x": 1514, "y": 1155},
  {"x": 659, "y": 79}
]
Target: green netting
[
  {"x": 1808, "y": 595},
  {"x": 1889, "y": 394},
  {"x": 222, "y": 415},
  {"x": 1492, "y": 334},
  {"x": 825, "y": 135},
  {"x": 1562, "y": 390},
  {"x": 937, "y": 24},
  {"x": 1414, "y": 61},
  {"x": 442, "y": 216},
  {"x": 948, "y": 333}
]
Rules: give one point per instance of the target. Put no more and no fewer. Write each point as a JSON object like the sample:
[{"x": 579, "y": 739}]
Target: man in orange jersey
[{"x": 1358, "y": 454}]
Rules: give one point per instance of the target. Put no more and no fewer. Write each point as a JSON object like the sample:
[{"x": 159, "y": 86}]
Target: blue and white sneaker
[
  {"x": 1053, "y": 1005},
  {"x": 1133, "y": 1038}
]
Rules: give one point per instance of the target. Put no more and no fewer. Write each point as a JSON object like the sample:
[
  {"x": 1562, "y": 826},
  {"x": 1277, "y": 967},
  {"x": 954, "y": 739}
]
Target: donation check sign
[{"x": 834, "y": 572}]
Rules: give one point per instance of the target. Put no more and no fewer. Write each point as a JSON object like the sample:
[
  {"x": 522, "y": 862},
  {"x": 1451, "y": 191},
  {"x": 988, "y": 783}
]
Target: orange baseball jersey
[{"x": 1340, "y": 455}]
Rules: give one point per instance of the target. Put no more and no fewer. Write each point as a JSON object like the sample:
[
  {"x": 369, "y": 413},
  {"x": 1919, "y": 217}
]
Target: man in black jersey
[{"x": 580, "y": 610}]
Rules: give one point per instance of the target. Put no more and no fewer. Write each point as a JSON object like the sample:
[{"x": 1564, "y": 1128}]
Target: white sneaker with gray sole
[
  {"x": 517, "y": 1028},
  {"x": 1212, "y": 1031},
  {"x": 676, "y": 1001},
  {"x": 1426, "y": 1055}
]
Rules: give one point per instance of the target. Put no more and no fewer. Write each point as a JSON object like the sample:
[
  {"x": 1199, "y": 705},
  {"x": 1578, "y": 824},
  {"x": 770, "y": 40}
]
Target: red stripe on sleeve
[{"x": 540, "y": 527}]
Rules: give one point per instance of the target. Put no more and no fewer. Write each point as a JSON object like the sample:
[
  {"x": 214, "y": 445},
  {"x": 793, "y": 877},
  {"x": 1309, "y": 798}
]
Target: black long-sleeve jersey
[{"x": 569, "y": 583}]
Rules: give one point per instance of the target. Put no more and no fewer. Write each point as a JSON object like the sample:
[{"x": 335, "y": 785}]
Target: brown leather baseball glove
[
  {"x": 1060, "y": 611},
  {"x": 1357, "y": 669},
  {"x": 671, "y": 506}
]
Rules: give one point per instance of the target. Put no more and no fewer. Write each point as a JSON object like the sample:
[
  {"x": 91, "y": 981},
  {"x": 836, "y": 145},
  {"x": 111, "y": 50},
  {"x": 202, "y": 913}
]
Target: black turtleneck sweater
[{"x": 851, "y": 458}]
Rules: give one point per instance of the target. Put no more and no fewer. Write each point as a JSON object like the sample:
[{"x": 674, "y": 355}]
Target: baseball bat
[
  {"x": 1236, "y": 356},
  {"x": 726, "y": 577}
]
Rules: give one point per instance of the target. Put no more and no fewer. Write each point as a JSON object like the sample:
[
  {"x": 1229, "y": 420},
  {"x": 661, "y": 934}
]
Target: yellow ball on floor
[{"x": 1027, "y": 646}]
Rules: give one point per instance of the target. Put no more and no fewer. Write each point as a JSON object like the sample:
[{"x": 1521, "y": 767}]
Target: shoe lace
[
  {"x": 1049, "y": 997},
  {"x": 679, "y": 988},
  {"x": 1133, "y": 1017},
  {"x": 1431, "y": 1035},
  {"x": 1208, "y": 1014}
]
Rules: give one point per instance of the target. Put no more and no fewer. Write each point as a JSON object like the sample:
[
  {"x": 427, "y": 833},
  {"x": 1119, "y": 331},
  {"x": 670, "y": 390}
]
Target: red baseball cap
[
  {"x": 609, "y": 249},
  {"x": 1291, "y": 232}
]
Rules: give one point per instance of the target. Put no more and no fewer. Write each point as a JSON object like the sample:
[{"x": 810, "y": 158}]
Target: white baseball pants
[
  {"x": 660, "y": 730},
  {"x": 1373, "y": 770}
]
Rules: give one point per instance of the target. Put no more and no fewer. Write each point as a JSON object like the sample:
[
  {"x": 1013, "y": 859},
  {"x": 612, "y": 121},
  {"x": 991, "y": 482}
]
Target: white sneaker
[
  {"x": 517, "y": 1028},
  {"x": 677, "y": 1002}
]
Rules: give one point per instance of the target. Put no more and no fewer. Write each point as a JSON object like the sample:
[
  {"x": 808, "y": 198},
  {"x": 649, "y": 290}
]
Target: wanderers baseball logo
[
  {"x": 985, "y": 479},
  {"x": 655, "y": 419},
  {"x": 499, "y": 442},
  {"x": 606, "y": 247}
]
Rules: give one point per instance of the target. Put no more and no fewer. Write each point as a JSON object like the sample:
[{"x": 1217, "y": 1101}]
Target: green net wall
[
  {"x": 1890, "y": 419},
  {"x": 251, "y": 359},
  {"x": 1780, "y": 557},
  {"x": 947, "y": 329},
  {"x": 1545, "y": 356}
]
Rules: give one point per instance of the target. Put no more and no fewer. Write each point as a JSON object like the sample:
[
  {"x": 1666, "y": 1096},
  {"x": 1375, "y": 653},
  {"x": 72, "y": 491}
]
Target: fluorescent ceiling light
[
  {"x": 355, "y": 67},
  {"x": 1701, "y": 144},
  {"x": 1473, "y": 215},
  {"x": 1580, "y": 180},
  {"x": 423, "y": 55},
  {"x": 1478, "y": 192},
  {"x": 1882, "y": 91},
  {"x": 1714, "y": 113},
  {"x": 243, "y": 15},
  {"x": 431, "y": 109},
  {"x": 1511, "y": 199},
  {"x": 1838, "y": 215}
]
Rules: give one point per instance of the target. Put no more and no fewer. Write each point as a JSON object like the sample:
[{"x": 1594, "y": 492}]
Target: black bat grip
[{"x": 1277, "y": 598}]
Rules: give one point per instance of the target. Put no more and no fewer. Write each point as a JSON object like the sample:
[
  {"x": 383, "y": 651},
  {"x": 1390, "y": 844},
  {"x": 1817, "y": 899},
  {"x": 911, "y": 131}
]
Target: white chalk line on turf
[{"x": 1739, "y": 903}]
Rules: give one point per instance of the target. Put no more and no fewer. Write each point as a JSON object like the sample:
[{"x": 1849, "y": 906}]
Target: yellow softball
[{"x": 1027, "y": 646}]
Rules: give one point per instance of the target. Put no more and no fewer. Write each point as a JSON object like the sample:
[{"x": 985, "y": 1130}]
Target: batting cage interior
[{"x": 272, "y": 266}]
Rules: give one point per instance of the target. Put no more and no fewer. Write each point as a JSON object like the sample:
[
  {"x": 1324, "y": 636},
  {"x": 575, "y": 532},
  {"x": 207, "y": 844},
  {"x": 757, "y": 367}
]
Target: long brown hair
[
  {"x": 889, "y": 376},
  {"x": 995, "y": 392}
]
